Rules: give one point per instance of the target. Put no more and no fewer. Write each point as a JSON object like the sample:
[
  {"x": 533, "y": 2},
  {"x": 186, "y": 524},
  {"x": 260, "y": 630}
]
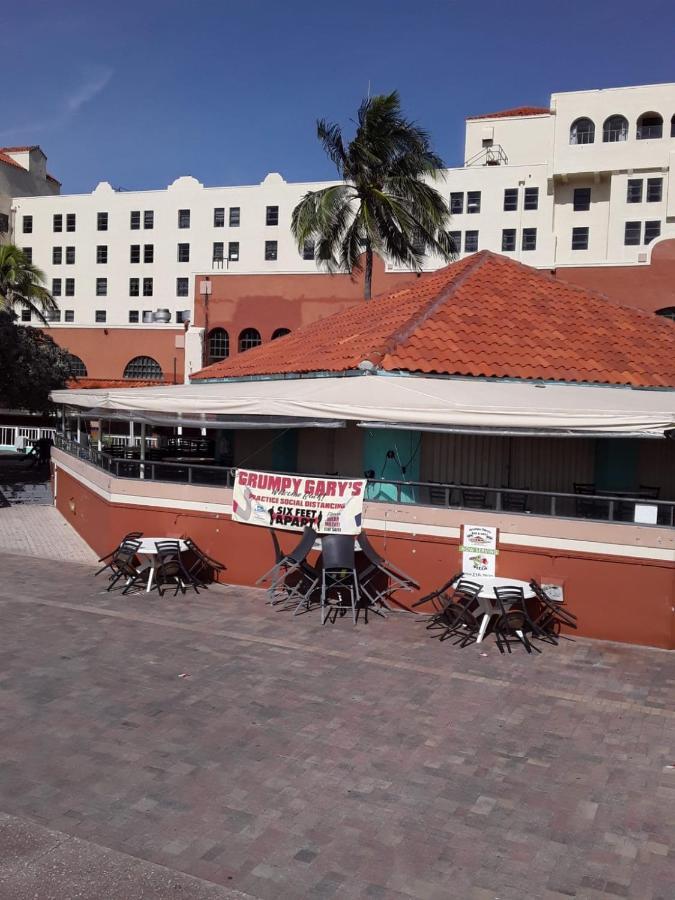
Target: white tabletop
[
  {"x": 148, "y": 547},
  {"x": 490, "y": 582}
]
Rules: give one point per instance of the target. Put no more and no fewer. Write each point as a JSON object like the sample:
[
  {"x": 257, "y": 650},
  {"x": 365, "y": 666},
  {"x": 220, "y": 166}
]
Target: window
[
  {"x": 270, "y": 251},
  {"x": 25, "y": 315},
  {"x": 272, "y": 215},
  {"x": 508, "y": 240},
  {"x": 27, "y": 224},
  {"x": 70, "y": 256},
  {"x": 101, "y": 287},
  {"x": 218, "y": 345},
  {"x": 529, "y": 239},
  {"x": 101, "y": 221},
  {"x": 531, "y": 198},
  {"x": 580, "y": 238},
  {"x": 218, "y": 251},
  {"x": 654, "y": 190},
  {"x": 143, "y": 367},
  {"x": 649, "y": 125},
  {"x": 235, "y": 217},
  {"x": 456, "y": 238},
  {"x": 54, "y": 315},
  {"x": 135, "y": 219},
  {"x": 249, "y": 338},
  {"x": 182, "y": 315},
  {"x": 233, "y": 251},
  {"x": 77, "y": 367},
  {"x": 69, "y": 315},
  {"x": 57, "y": 222},
  {"x": 183, "y": 218},
  {"x": 510, "y": 199},
  {"x": 457, "y": 203},
  {"x": 634, "y": 190},
  {"x": 582, "y": 132},
  {"x": 102, "y": 253},
  {"x": 148, "y": 253},
  {"x": 582, "y": 199},
  {"x": 219, "y": 217},
  {"x": 473, "y": 201},
  {"x": 182, "y": 287},
  {"x": 56, "y": 287},
  {"x": 135, "y": 253},
  {"x": 134, "y": 287},
  {"x": 615, "y": 129},
  {"x": 149, "y": 219},
  {"x": 652, "y": 231},
  {"x": 70, "y": 287},
  {"x": 280, "y": 332},
  {"x": 57, "y": 256},
  {"x": 631, "y": 234},
  {"x": 470, "y": 241},
  {"x": 183, "y": 253},
  {"x": 133, "y": 316},
  {"x": 70, "y": 222},
  {"x": 147, "y": 287},
  {"x": 667, "y": 312},
  {"x": 100, "y": 316},
  {"x": 28, "y": 254},
  {"x": 308, "y": 250},
  {"x": 4, "y": 223}
]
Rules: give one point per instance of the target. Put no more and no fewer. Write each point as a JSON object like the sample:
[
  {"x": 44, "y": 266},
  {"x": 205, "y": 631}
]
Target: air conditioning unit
[
  {"x": 642, "y": 257},
  {"x": 162, "y": 316}
]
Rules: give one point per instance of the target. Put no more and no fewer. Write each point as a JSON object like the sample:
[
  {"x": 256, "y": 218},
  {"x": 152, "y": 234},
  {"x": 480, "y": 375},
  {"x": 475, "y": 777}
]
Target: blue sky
[{"x": 138, "y": 93}]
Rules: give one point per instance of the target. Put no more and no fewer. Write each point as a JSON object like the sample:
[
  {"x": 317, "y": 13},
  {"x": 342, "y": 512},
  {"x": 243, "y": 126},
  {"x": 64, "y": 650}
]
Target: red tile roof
[
  {"x": 4, "y": 158},
  {"x": 20, "y": 149},
  {"x": 487, "y": 316},
  {"x": 86, "y": 383},
  {"x": 514, "y": 113}
]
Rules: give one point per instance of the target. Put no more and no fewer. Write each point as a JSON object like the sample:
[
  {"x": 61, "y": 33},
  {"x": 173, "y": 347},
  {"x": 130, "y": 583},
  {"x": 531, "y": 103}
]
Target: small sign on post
[{"x": 479, "y": 550}]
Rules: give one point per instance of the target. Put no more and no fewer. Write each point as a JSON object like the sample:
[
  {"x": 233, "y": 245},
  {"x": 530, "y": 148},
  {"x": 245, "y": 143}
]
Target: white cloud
[{"x": 93, "y": 85}]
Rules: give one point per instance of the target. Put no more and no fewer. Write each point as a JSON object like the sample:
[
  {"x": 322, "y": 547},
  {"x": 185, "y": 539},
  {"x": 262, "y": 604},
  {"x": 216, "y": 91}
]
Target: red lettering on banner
[
  {"x": 320, "y": 487},
  {"x": 331, "y": 488},
  {"x": 309, "y": 486},
  {"x": 356, "y": 488},
  {"x": 242, "y": 477},
  {"x": 342, "y": 487},
  {"x": 296, "y": 485},
  {"x": 252, "y": 480},
  {"x": 286, "y": 483}
]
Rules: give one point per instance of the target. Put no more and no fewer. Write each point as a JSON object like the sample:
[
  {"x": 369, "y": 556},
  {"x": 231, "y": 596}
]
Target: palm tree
[
  {"x": 385, "y": 204},
  {"x": 21, "y": 284}
]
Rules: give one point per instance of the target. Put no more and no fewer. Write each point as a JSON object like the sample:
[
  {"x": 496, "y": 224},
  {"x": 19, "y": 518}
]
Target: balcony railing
[
  {"x": 602, "y": 507},
  {"x": 644, "y": 132}
]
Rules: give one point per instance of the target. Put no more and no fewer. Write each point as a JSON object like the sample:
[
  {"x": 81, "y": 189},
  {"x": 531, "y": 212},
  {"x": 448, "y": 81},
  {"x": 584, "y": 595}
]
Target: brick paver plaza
[{"x": 298, "y": 761}]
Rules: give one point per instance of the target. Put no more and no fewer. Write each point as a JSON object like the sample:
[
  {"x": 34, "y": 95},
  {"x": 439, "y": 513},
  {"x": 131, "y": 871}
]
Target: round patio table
[
  {"x": 147, "y": 553},
  {"x": 487, "y": 599}
]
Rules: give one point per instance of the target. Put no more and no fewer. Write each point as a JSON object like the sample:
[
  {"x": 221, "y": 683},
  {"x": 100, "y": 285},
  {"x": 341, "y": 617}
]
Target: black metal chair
[
  {"x": 171, "y": 569},
  {"x": 110, "y": 564},
  {"x": 292, "y": 578},
  {"x": 464, "y": 597},
  {"x": 379, "y": 567},
  {"x": 585, "y": 508},
  {"x": 438, "y": 598},
  {"x": 474, "y": 498},
  {"x": 551, "y": 615},
  {"x": 514, "y": 502},
  {"x": 338, "y": 575},
  {"x": 124, "y": 564},
  {"x": 203, "y": 563},
  {"x": 513, "y": 619}
]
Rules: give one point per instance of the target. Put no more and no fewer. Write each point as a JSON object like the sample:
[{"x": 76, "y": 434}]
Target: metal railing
[
  {"x": 489, "y": 156},
  {"x": 512, "y": 501}
]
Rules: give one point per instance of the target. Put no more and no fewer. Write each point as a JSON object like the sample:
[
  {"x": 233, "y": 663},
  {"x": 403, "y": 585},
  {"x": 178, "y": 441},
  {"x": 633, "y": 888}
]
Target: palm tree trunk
[{"x": 368, "y": 280}]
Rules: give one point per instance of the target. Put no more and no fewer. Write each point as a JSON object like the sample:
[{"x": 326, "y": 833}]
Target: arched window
[
  {"x": 77, "y": 367},
  {"x": 668, "y": 312},
  {"x": 672, "y": 127},
  {"x": 249, "y": 338},
  {"x": 280, "y": 332},
  {"x": 582, "y": 132},
  {"x": 649, "y": 125},
  {"x": 144, "y": 368},
  {"x": 615, "y": 129},
  {"x": 219, "y": 345}
]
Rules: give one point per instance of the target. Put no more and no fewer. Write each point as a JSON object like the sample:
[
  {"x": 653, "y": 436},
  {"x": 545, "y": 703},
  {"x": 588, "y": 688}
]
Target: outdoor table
[
  {"x": 148, "y": 555},
  {"x": 487, "y": 599}
]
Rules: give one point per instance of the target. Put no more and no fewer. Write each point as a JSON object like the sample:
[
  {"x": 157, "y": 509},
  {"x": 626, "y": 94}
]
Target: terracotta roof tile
[
  {"x": 4, "y": 158},
  {"x": 486, "y": 315},
  {"x": 20, "y": 149},
  {"x": 514, "y": 113},
  {"x": 87, "y": 383}
]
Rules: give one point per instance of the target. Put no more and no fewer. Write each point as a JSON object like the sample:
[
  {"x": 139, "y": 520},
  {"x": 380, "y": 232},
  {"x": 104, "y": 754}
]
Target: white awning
[{"x": 444, "y": 404}]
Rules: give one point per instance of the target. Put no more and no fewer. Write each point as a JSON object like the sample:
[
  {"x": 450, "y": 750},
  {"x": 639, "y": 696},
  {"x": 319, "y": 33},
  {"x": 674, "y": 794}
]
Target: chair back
[
  {"x": 125, "y": 553},
  {"x": 169, "y": 549},
  {"x": 132, "y": 536},
  {"x": 508, "y": 596},
  {"x": 338, "y": 551},
  {"x": 278, "y": 553},
  {"x": 514, "y": 502},
  {"x": 300, "y": 551},
  {"x": 468, "y": 589},
  {"x": 474, "y": 499},
  {"x": 369, "y": 551}
]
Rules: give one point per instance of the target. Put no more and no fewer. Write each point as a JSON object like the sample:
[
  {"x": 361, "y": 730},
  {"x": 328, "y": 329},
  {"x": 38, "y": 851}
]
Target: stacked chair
[
  {"x": 551, "y": 615},
  {"x": 122, "y": 561},
  {"x": 203, "y": 566},
  {"x": 292, "y": 580},
  {"x": 338, "y": 576},
  {"x": 172, "y": 570},
  {"x": 380, "y": 578}
]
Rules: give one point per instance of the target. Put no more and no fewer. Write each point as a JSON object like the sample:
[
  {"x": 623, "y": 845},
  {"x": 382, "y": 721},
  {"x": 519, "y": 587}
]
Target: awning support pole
[{"x": 141, "y": 468}]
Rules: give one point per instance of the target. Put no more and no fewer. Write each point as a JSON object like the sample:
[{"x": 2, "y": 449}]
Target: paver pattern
[
  {"x": 41, "y": 531},
  {"x": 295, "y": 761}
]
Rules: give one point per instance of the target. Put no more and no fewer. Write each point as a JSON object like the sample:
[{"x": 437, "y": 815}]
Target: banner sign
[
  {"x": 479, "y": 550},
  {"x": 291, "y": 502}
]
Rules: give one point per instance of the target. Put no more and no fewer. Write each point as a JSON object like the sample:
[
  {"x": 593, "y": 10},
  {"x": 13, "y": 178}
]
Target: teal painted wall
[
  {"x": 386, "y": 452},
  {"x": 616, "y": 464}
]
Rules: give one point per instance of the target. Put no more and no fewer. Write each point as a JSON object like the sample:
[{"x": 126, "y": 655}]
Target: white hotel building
[{"x": 584, "y": 183}]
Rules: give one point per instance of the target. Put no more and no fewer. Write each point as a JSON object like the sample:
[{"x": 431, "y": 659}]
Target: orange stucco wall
[
  {"x": 106, "y": 351},
  {"x": 616, "y": 598}
]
